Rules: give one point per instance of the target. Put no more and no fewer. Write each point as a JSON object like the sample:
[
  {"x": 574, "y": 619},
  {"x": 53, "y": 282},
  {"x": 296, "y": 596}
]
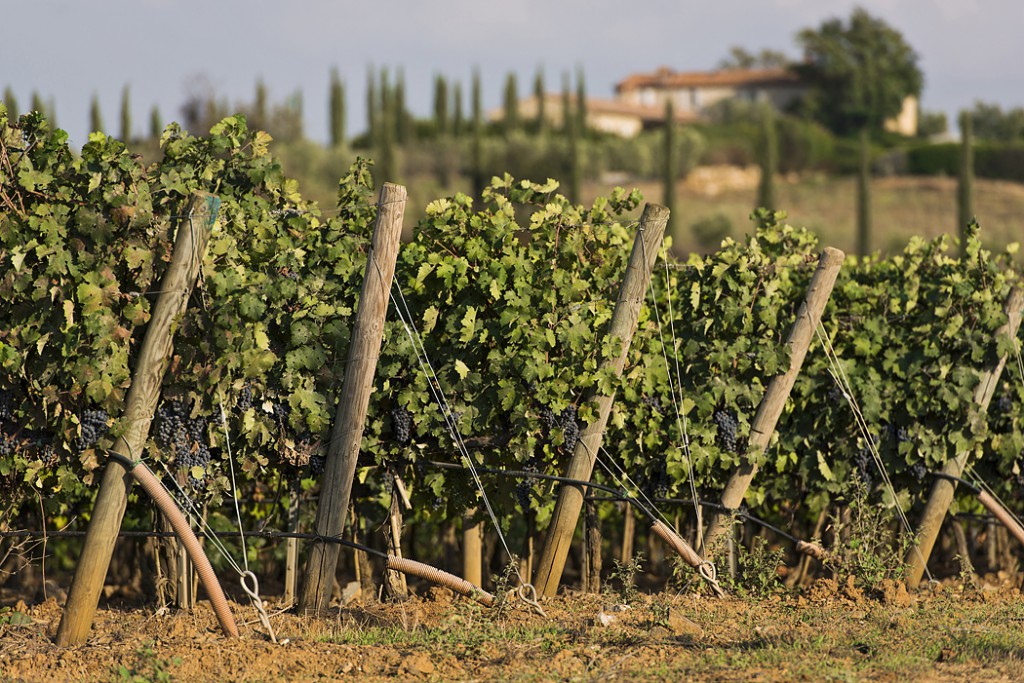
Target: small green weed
[
  {"x": 147, "y": 667},
  {"x": 624, "y": 574}
]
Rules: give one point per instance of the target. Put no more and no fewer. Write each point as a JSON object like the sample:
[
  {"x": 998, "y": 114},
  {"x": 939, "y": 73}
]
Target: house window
[{"x": 694, "y": 99}]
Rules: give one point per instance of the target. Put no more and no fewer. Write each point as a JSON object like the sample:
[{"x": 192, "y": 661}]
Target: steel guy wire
[
  {"x": 841, "y": 379},
  {"x": 405, "y": 315},
  {"x": 680, "y": 420},
  {"x": 982, "y": 484}
]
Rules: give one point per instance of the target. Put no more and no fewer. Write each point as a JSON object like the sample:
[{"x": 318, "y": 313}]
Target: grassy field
[
  {"x": 831, "y": 631},
  {"x": 902, "y": 207}
]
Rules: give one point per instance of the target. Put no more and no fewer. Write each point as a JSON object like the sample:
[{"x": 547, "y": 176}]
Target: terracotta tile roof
[
  {"x": 642, "y": 112},
  {"x": 665, "y": 78}
]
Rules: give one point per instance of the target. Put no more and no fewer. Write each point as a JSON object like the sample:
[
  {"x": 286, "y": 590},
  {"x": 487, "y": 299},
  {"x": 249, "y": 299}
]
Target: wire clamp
[
  {"x": 253, "y": 592},
  {"x": 528, "y": 594}
]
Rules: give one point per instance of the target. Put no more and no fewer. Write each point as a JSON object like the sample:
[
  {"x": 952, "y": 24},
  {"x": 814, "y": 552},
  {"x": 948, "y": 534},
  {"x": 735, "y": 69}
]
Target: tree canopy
[{"x": 861, "y": 71}]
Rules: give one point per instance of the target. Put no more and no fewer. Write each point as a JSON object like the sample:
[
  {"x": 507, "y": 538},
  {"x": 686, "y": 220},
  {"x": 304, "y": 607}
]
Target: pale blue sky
[{"x": 69, "y": 49}]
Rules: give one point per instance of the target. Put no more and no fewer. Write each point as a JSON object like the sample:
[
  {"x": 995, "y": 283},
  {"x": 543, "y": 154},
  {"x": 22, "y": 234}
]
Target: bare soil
[{"x": 834, "y": 630}]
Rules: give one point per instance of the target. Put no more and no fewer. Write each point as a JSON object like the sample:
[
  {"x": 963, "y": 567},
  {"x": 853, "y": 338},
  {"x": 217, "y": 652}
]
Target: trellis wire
[{"x": 839, "y": 375}]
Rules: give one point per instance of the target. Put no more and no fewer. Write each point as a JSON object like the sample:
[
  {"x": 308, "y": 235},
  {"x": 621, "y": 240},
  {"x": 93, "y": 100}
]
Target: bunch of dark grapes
[
  {"x": 656, "y": 484},
  {"x": 93, "y": 425},
  {"x": 401, "y": 425},
  {"x": 919, "y": 470},
  {"x": 652, "y": 402},
  {"x": 281, "y": 412},
  {"x": 564, "y": 421},
  {"x": 245, "y": 398},
  {"x": 836, "y": 396},
  {"x": 316, "y": 465},
  {"x": 570, "y": 428},
  {"x": 6, "y": 407},
  {"x": 8, "y": 444},
  {"x": 1002, "y": 405},
  {"x": 184, "y": 436},
  {"x": 864, "y": 464},
  {"x": 727, "y": 424},
  {"x": 548, "y": 421},
  {"x": 524, "y": 487}
]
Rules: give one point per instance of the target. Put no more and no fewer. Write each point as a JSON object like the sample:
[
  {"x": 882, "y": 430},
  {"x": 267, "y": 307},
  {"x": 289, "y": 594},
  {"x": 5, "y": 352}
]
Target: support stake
[
  {"x": 942, "y": 490},
  {"x": 623, "y": 325},
  {"x": 340, "y": 465},
  {"x": 775, "y": 396},
  {"x": 189, "y": 247}
]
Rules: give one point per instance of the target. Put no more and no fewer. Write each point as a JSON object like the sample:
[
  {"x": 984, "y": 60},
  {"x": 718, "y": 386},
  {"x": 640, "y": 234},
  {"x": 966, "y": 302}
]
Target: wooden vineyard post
[
  {"x": 189, "y": 247},
  {"x": 777, "y": 393},
  {"x": 291, "y": 562},
  {"x": 623, "y": 324},
  {"x": 942, "y": 489},
  {"x": 343, "y": 450},
  {"x": 592, "y": 554},
  {"x": 472, "y": 550}
]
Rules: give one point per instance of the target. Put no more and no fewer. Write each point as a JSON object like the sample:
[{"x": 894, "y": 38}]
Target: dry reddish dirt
[{"x": 832, "y": 631}]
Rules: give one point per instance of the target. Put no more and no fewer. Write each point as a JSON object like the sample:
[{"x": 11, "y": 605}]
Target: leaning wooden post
[
  {"x": 623, "y": 325},
  {"x": 472, "y": 549},
  {"x": 777, "y": 393},
  {"x": 343, "y": 450},
  {"x": 942, "y": 489},
  {"x": 189, "y": 247}
]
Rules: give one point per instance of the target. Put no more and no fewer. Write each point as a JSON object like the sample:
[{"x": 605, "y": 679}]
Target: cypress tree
[
  {"x": 126, "y": 116},
  {"x": 575, "y": 172},
  {"x": 403, "y": 127},
  {"x": 155, "y": 123},
  {"x": 567, "y": 110},
  {"x": 965, "y": 179},
  {"x": 538, "y": 93},
  {"x": 477, "y": 147},
  {"x": 387, "y": 129},
  {"x": 260, "y": 106},
  {"x": 95, "y": 117},
  {"x": 37, "y": 104},
  {"x": 337, "y": 110},
  {"x": 458, "y": 124},
  {"x": 511, "y": 103},
  {"x": 297, "y": 107},
  {"x": 671, "y": 169},
  {"x": 768, "y": 159},
  {"x": 581, "y": 101},
  {"x": 441, "y": 104},
  {"x": 372, "y": 107},
  {"x": 864, "y": 195},
  {"x": 12, "y": 103}
]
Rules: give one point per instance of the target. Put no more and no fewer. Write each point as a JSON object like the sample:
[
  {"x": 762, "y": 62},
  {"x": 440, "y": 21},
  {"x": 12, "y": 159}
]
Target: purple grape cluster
[
  {"x": 184, "y": 436},
  {"x": 245, "y": 399},
  {"x": 93, "y": 424},
  {"x": 401, "y": 425},
  {"x": 524, "y": 487},
  {"x": 727, "y": 425},
  {"x": 566, "y": 422}
]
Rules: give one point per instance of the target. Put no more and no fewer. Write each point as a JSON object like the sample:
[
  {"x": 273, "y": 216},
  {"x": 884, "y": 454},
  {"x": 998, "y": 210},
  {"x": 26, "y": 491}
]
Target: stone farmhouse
[{"x": 640, "y": 99}]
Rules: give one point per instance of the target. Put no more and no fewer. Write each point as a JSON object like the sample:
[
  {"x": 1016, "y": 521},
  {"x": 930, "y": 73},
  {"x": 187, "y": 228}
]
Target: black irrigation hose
[
  {"x": 523, "y": 474},
  {"x": 713, "y": 506}
]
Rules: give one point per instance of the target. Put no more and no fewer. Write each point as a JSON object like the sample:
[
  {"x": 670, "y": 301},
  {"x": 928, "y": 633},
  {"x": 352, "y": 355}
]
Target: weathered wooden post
[
  {"x": 775, "y": 396},
  {"x": 942, "y": 489},
  {"x": 291, "y": 562},
  {"x": 472, "y": 549},
  {"x": 623, "y": 325},
  {"x": 343, "y": 450},
  {"x": 193, "y": 232},
  {"x": 592, "y": 556}
]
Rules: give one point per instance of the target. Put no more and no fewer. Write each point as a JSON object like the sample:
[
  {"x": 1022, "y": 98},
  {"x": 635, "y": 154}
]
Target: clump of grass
[
  {"x": 623, "y": 575},
  {"x": 869, "y": 546}
]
